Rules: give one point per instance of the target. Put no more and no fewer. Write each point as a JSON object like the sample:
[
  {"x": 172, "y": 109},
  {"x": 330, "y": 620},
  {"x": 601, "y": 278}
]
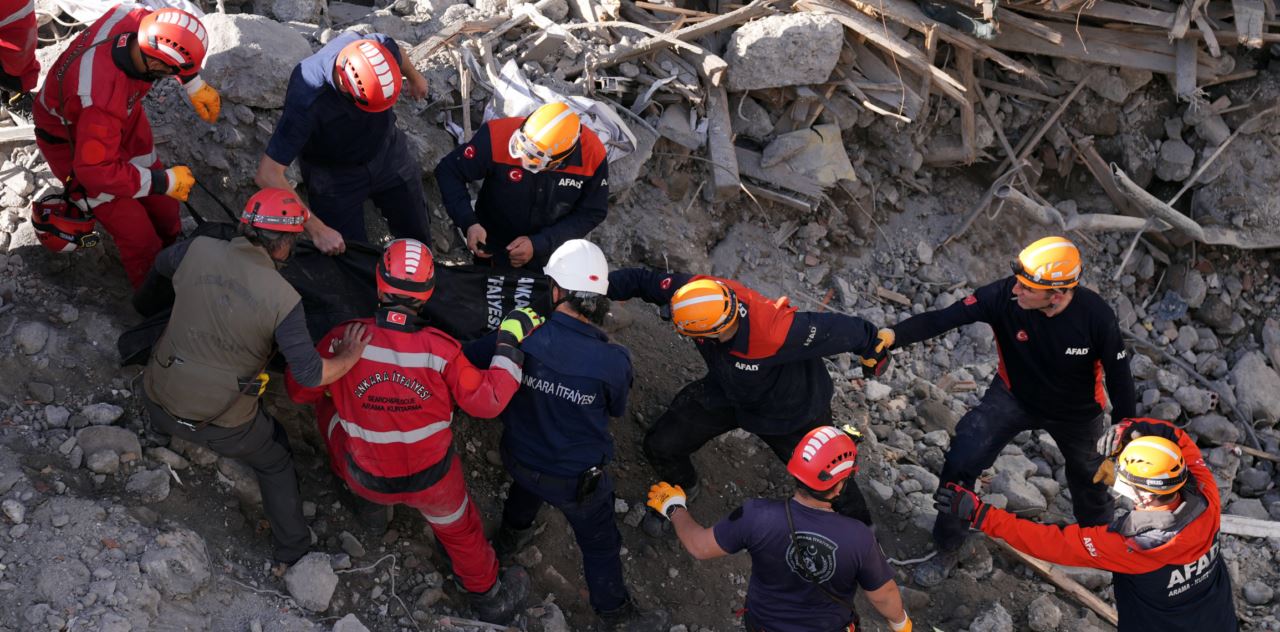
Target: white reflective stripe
[
  {"x": 145, "y": 160},
  {"x": 144, "y": 181},
  {"x": 406, "y": 360},
  {"x": 546, "y": 129},
  {"x": 389, "y": 436},
  {"x": 697, "y": 300},
  {"x": 22, "y": 13},
  {"x": 1047, "y": 247},
  {"x": 333, "y": 423},
  {"x": 85, "y": 87},
  {"x": 193, "y": 85},
  {"x": 171, "y": 53},
  {"x": 847, "y": 465},
  {"x": 508, "y": 365},
  {"x": 451, "y": 518},
  {"x": 88, "y": 204}
]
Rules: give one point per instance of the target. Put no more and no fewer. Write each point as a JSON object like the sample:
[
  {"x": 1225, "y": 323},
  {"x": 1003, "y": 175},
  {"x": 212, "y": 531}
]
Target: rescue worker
[
  {"x": 19, "y": 69},
  {"x": 807, "y": 561},
  {"x": 546, "y": 181},
  {"x": 556, "y": 442},
  {"x": 338, "y": 123},
  {"x": 387, "y": 421},
  {"x": 1055, "y": 342},
  {"x": 94, "y": 134},
  {"x": 765, "y": 372},
  {"x": 1166, "y": 568},
  {"x": 207, "y": 371}
]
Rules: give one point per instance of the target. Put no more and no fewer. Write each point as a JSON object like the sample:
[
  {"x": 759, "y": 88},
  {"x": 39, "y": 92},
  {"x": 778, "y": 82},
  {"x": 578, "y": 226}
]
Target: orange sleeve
[{"x": 1071, "y": 545}]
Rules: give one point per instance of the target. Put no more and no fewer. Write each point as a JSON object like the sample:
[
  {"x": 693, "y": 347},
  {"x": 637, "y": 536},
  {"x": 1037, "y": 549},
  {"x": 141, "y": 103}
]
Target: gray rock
[
  {"x": 1142, "y": 367},
  {"x": 102, "y": 414},
  {"x": 101, "y": 462},
  {"x": 784, "y": 50},
  {"x": 30, "y": 337},
  {"x": 1194, "y": 400},
  {"x": 1194, "y": 289},
  {"x": 170, "y": 458},
  {"x": 1044, "y": 615},
  {"x": 311, "y": 581},
  {"x": 1023, "y": 497},
  {"x": 1214, "y": 429},
  {"x": 1249, "y": 508},
  {"x": 242, "y": 480},
  {"x": 41, "y": 392},
  {"x": 349, "y": 623},
  {"x": 1257, "y": 387},
  {"x": 198, "y": 454},
  {"x": 1188, "y": 337},
  {"x": 1175, "y": 162},
  {"x": 14, "y": 511},
  {"x": 1216, "y": 313},
  {"x": 306, "y": 11},
  {"x": 61, "y": 581},
  {"x": 876, "y": 391},
  {"x": 548, "y": 617},
  {"x": 993, "y": 619},
  {"x": 340, "y": 562},
  {"x": 56, "y": 416},
  {"x": 351, "y": 544},
  {"x": 1271, "y": 341},
  {"x": 1016, "y": 464},
  {"x": 238, "y": 44},
  {"x": 1253, "y": 482},
  {"x": 150, "y": 486},
  {"x": 109, "y": 438},
  {"x": 675, "y": 125},
  {"x": 1258, "y": 593},
  {"x": 749, "y": 117},
  {"x": 176, "y": 563},
  {"x": 928, "y": 480}
]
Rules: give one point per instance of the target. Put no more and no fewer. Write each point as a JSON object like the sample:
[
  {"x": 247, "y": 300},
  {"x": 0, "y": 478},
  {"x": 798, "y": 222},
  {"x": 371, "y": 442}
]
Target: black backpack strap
[{"x": 795, "y": 544}]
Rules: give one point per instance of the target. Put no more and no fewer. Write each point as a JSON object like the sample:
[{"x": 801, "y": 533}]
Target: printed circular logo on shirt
[
  {"x": 665, "y": 283},
  {"x": 469, "y": 152},
  {"x": 1022, "y": 335},
  {"x": 515, "y": 175},
  {"x": 970, "y": 300},
  {"x": 812, "y": 556}
]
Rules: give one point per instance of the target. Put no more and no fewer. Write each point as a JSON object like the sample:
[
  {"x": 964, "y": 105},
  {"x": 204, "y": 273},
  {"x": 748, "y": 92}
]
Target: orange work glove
[
  {"x": 665, "y": 497},
  {"x": 180, "y": 182},
  {"x": 204, "y": 99}
]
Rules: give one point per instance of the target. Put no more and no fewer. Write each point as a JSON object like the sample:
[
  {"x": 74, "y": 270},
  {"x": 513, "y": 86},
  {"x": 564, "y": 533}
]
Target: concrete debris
[
  {"x": 783, "y": 50},
  {"x": 113, "y": 439},
  {"x": 311, "y": 581},
  {"x": 102, "y": 414},
  {"x": 149, "y": 486},
  {"x": 1257, "y": 387},
  {"x": 349, "y": 623},
  {"x": 238, "y": 44},
  {"x": 177, "y": 562}
]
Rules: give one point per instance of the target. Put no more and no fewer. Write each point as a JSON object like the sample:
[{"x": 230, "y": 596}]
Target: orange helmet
[
  {"x": 826, "y": 456},
  {"x": 407, "y": 269},
  {"x": 1049, "y": 264},
  {"x": 1153, "y": 464},
  {"x": 276, "y": 210},
  {"x": 546, "y": 137},
  {"x": 173, "y": 37},
  {"x": 704, "y": 308},
  {"x": 370, "y": 74},
  {"x": 61, "y": 226}
]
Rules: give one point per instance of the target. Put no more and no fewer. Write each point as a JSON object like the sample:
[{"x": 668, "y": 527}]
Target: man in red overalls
[
  {"x": 18, "y": 66},
  {"x": 386, "y": 422},
  {"x": 93, "y": 132}
]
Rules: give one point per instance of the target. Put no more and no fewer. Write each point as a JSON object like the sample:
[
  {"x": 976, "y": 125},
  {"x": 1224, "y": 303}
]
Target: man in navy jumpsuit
[
  {"x": 768, "y": 379},
  {"x": 347, "y": 154}
]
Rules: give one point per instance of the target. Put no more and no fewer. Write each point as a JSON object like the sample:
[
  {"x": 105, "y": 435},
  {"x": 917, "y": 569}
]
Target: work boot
[
  {"x": 656, "y": 525},
  {"x": 510, "y": 540},
  {"x": 630, "y": 618},
  {"x": 500, "y": 604},
  {"x": 938, "y": 568},
  {"x": 374, "y": 518}
]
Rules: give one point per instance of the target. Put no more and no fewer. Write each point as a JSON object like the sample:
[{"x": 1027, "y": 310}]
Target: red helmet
[
  {"x": 175, "y": 38},
  {"x": 406, "y": 269},
  {"x": 275, "y": 209},
  {"x": 370, "y": 74},
  {"x": 62, "y": 226},
  {"x": 823, "y": 458}
]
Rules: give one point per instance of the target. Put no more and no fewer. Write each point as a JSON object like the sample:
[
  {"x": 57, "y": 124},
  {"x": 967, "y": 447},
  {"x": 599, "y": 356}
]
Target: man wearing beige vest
[{"x": 206, "y": 372}]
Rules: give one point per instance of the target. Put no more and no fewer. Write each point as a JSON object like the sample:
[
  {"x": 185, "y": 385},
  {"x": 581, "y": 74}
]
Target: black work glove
[
  {"x": 961, "y": 503},
  {"x": 1118, "y": 436}
]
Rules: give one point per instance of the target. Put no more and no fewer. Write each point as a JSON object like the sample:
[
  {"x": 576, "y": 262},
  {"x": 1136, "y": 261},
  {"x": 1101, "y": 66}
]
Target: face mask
[{"x": 1124, "y": 489}]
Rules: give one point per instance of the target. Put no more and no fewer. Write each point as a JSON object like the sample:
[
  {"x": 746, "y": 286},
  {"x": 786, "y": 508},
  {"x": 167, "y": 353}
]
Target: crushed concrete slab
[
  {"x": 238, "y": 46},
  {"x": 783, "y": 50}
]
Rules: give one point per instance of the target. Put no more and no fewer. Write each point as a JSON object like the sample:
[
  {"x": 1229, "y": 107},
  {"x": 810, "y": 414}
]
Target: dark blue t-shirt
[
  {"x": 322, "y": 126},
  {"x": 840, "y": 551}
]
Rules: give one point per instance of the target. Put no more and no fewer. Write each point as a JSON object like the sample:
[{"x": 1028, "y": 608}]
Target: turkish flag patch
[
  {"x": 1022, "y": 335},
  {"x": 469, "y": 152},
  {"x": 516, "y": 175},
  {"x": 970, "y": 300},
  {"x": 665, "y": 284},
  {"x": 397, "y": 318}
]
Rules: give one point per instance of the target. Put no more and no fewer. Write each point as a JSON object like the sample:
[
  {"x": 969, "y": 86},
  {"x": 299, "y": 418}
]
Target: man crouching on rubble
[{"x": 1164, "y": 557}]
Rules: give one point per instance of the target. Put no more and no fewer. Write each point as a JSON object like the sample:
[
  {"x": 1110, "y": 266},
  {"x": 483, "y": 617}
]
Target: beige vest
[{"x": 229, "y": 301}]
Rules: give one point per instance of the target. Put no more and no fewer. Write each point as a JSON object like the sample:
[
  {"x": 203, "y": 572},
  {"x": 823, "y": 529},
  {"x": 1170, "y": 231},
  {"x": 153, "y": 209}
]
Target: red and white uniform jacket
[
  {"x": 90, "y": 101},
  {"x": 387, "y": 421},
  {"x": 1168, "y": 574},
  {"x": 18, "y": 42}
]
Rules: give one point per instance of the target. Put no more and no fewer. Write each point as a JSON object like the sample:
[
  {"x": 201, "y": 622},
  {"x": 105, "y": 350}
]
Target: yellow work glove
[
  {"x": 180, "y": 182},
  {"x": 518, "y": 324},
  {"x": 901, "y": 626},
  {"x": 1106, "y": 473},
  {"x": 665, "y": 497},
  {"x": 204, "y": 99},
  {"x": 878, "y": 361}
]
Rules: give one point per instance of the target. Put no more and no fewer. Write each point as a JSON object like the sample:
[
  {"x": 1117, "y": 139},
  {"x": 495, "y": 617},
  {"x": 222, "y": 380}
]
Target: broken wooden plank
[
  {"x": 909, "y": 14},
  {"x": 1249, "y": 527},
  {"x": 1029, "y": 145},
  {"x": 902, "y": 100},
  {"x": 784, "y": 199},
  {"x": 1061, "y": 580},
  {"x": 1249, "y": 18},
  {"x": 24, "y": 133},
  {"x": 1005, "y": 16},
  {"x": 451, "y": 33},
  {"x": 886, "y": 294},
  {"x": 1253, "y": 452},
  {"x": 968, "y": 117},
  {"x": 1184, "y": 76},
  {"x": 1015, "y": 90},
  {"x": 1210, "y": 39},
  {"x": 724, "y": 159},
  {"x": 1101, "y": 172},
  {"x": 1109, "y": 11},
  {"x": 875, "y": 33},
  {"x": 1127, "y": 49}
]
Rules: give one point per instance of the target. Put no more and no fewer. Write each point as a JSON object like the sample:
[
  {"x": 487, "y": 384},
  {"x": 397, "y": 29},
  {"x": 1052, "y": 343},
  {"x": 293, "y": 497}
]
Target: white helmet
[{"x": 579, "y": 266}]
